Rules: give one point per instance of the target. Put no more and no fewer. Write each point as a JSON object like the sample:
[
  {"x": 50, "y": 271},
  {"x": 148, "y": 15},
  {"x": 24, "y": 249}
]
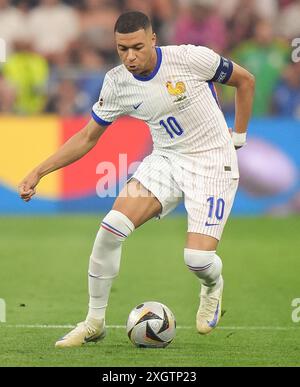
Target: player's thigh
[
  {"x": 137, "y": 203},
  {"x": 208, "y": 210}
]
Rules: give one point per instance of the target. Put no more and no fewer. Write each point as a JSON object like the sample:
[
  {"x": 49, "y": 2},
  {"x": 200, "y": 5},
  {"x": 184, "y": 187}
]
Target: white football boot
[
  {"x": 85, "y": 332},
  {"x": 209, "y": 312}
]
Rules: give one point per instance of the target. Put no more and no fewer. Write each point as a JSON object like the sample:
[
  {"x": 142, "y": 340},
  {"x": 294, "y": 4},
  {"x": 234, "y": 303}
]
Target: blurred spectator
[
  {"x": 76, "y": 38},
  {"x": 52, "y": 27},
  {"x": 284, "y": 3},
  {"x": 67, "y": 100},
  {"x": 144, "y": 6},
  {"x": 162, "y": 14},
  {"x": 28, "y": 73},
  {"x": 289, "y": 21},
  {"x": 7, "y": 96},
  {"x": 242, "y": 22},
  {"x": 227, "y": 8},
  {"x": 92, "y": 71},
  {"x": 287, "y": 93},
  {"x": 82, "y": 81},
  {"x": 97, "y": 20},
  {"x": 201, "y": 25},
  {"x": 266, "y": 57},
  {"x": 12, "y": 24},
  {"x": 266, "y": 9}
]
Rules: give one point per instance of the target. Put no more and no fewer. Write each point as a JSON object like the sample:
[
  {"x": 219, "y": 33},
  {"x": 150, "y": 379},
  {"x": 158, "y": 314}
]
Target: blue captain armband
[{"x": 224, "y": 71}]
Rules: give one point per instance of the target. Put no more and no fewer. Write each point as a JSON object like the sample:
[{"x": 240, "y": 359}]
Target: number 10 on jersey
[{"x": 172, "y": 127}]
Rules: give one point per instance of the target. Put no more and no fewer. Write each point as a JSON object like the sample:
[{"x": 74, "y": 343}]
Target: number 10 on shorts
[{"x": 216, "y": 208}]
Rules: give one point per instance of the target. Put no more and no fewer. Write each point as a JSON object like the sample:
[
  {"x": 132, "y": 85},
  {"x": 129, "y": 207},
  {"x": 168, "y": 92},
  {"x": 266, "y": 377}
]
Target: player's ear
[{"x": 153, "y": 39}]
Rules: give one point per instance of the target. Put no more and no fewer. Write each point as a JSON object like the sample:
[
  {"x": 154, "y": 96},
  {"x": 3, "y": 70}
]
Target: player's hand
[{"x": 27, "y": 186}]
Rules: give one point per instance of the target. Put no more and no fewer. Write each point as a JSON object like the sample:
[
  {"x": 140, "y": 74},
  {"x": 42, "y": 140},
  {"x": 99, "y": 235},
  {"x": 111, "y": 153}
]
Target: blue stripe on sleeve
[
  {"x": 99, "y": 120},
  {"x": 224, "y": 71}
]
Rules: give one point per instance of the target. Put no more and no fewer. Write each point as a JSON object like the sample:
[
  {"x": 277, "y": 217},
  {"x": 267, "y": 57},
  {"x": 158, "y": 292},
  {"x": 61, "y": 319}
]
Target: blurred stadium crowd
[{"x": 59, "y": 51}]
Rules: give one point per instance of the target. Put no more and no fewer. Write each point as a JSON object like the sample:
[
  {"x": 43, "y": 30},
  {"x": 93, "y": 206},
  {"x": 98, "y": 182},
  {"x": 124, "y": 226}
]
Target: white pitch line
[{"x": 241, "y": 328}]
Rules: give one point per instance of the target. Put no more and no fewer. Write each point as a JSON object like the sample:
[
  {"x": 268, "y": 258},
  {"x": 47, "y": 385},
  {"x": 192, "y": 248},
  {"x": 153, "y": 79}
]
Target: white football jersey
[{"x": 178, "y": 101}]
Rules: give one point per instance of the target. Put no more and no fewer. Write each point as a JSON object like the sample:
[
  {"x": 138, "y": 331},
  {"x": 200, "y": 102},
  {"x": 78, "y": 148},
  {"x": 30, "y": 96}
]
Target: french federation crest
[{"x": 177, "y": 91}]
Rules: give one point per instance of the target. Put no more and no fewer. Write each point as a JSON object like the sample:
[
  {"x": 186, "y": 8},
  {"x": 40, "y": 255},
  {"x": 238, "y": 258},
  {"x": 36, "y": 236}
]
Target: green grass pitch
[{"x": 43, "y": 279}]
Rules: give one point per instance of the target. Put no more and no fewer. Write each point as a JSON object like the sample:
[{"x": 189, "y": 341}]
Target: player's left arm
[
  {"x": 211, "y": 67},
  {"x": 244, "y": 82}
]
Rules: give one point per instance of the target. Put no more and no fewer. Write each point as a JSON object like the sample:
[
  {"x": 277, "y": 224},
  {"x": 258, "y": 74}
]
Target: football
[{"x": 151, "y": 325}]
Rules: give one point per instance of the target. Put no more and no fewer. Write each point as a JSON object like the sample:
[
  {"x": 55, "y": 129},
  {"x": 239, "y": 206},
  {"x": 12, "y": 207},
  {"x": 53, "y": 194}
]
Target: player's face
[{"x": 137, "y": 51}]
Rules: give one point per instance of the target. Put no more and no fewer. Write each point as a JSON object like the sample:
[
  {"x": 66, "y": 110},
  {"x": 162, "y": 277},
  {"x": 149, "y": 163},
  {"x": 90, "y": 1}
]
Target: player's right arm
[
  {"x": 104, "y": 112},
  {"x": 74, "y": 149}
]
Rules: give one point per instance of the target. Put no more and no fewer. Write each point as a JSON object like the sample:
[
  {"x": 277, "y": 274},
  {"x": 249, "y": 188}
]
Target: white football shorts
[{"x": 208, "y": 201}]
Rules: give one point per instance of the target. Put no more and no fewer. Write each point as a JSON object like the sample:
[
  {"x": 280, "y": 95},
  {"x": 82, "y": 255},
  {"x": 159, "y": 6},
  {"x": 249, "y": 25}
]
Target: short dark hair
[{"x": 131, "y": 22}]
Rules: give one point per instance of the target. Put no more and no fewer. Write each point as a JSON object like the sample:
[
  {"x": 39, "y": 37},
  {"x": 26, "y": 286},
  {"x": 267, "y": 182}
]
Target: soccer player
[{"x": 194, "y": 159}]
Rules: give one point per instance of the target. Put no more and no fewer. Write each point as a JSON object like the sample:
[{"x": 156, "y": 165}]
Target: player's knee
[
  {"x": 106, "y": 253},
  {"x": 116, "y": 227},
  {"x": 205, "y": 264},
  {"x": 198, "y": 260}
]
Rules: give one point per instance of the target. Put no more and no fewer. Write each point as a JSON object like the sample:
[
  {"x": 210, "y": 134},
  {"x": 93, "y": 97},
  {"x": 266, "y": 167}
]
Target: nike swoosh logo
[
  {"x": 91, "y": 338},
  {"x": 213, "y": 323},
  {"x": 137, "y": 106},
  {"x": 211, "y": 224}
]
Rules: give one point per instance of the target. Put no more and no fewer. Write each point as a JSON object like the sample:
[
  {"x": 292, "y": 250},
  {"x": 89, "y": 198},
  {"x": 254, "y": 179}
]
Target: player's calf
[
  {"x": 103, "y": 268},
  {"x": 105, "y": 260}
]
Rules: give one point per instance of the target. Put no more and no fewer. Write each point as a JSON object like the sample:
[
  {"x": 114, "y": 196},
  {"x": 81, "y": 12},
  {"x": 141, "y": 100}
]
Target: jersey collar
[{"x": 156, "y": 69}]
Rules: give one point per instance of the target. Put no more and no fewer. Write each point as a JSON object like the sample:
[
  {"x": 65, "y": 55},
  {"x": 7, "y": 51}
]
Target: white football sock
[
  {"x": 206, "y": 265},
  {"x": 105, "y": 261}
]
